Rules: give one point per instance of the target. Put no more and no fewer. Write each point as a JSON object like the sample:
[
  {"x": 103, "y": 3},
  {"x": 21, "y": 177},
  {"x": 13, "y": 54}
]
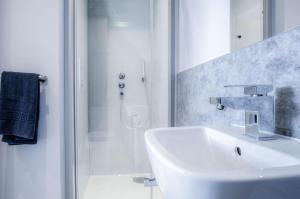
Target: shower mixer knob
[
  {"x": 122, "y": 76},
  {"x": 121, "y": 85}
]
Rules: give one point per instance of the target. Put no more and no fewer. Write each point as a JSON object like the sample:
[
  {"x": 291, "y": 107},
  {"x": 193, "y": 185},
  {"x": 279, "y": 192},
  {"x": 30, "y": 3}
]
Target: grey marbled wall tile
[{"x": 274, "y": 61}]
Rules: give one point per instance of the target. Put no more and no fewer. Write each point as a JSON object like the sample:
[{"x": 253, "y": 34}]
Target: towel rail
[{"x": 42, "y": 78}]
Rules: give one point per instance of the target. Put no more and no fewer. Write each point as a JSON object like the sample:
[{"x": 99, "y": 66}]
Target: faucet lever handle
[{"x": 254, "y": 90}]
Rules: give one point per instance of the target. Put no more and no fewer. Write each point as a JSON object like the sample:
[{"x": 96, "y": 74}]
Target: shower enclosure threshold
[{"x": 119, "y": 187}]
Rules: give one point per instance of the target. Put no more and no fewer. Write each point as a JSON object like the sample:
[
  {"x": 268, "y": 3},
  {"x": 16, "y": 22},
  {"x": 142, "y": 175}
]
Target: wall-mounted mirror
[{"x": 212, "y": 28}]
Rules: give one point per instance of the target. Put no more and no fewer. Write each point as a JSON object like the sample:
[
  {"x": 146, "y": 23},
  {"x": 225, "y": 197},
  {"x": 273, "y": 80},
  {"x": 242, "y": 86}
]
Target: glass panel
[{"x": 122, "y": 81}]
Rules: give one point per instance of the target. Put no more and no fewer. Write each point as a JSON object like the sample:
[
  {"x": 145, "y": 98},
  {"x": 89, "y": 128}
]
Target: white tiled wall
[
  {"x": 113, "y": 50},
  {"x": 160, "y": 69},
  {"x": 122, "y": 38}
]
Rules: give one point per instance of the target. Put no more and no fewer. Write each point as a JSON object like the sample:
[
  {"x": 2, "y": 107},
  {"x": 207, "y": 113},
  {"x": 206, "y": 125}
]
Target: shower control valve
[
  {"x": 122, "y": 85},
  {"x": 122, "y": 76}
]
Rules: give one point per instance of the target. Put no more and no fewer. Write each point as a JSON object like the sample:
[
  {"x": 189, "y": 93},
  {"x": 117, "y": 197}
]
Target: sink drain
[{"x": 238, "y": 151}]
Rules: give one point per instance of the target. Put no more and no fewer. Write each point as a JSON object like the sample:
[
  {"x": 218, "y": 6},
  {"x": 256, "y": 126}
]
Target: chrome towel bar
[{"x": 43, "y": 78}]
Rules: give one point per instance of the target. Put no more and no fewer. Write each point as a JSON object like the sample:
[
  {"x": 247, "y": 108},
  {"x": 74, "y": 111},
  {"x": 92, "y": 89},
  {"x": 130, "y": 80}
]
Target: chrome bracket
[{"x": 148, "y": 182}]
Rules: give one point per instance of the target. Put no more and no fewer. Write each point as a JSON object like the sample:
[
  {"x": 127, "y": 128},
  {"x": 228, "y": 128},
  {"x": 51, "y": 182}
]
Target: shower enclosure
[{"x": 122, "y": 81}]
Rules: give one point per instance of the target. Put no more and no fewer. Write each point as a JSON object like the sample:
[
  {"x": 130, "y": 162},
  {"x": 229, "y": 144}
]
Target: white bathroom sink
[{"x": 222, "y": 163}]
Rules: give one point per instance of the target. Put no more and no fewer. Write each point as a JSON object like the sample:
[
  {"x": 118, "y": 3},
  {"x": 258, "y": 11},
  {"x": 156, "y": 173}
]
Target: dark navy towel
[{"x": 19, "y": 107}]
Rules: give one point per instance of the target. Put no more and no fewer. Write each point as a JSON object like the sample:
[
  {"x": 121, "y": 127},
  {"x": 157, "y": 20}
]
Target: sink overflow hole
[{"x": 238, "y": 151}]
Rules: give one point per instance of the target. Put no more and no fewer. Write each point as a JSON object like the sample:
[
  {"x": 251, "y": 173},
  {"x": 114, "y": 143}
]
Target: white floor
[{"x": 119, "y": 187}]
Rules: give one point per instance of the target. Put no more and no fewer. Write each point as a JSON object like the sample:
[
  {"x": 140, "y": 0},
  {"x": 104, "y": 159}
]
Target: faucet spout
[{"x": 259, "y": 113}]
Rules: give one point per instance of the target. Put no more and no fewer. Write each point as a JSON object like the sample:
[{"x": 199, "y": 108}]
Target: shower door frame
[
  {"x": 69, "y": 100},
  {"x": 70, "y": 177}
]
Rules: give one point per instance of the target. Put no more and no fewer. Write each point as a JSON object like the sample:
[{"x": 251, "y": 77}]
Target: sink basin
[{"x": 222, "y": 163}]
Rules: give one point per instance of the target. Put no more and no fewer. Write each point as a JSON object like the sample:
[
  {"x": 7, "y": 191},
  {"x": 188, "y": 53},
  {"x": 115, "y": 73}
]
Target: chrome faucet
[{"x": 258, "y": 107}]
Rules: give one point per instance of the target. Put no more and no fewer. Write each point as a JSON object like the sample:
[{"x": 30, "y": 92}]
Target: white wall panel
[{"x": 31, "y": 40}]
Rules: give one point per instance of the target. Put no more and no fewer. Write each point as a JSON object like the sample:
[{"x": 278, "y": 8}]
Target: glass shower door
[{"x": 122, "y": 81}]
